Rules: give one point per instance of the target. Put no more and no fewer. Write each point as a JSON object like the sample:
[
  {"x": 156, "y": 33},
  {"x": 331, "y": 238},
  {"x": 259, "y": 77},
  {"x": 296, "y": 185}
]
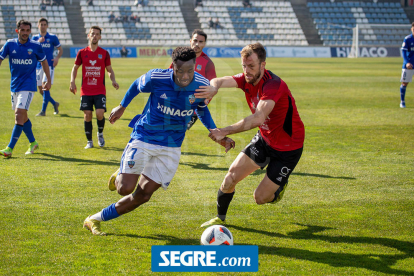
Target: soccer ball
[{"x": 217, "y": 235}]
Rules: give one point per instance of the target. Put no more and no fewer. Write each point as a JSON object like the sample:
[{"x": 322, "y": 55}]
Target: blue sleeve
[
  {"x": 41, "y": 56},
  {"x": 142, "y": 84},
  {"x": 405, "y": 54},
  {"x": 57, "y": 42},
  {"x": 205, "y": 116},
  {"x": 4, "y": 51}
]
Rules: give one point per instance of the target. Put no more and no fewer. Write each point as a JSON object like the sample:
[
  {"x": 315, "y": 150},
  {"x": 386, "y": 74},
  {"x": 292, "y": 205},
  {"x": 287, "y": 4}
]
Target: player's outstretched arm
[
  {"x": 111, "y": 75},
  {"x": 257, "y": 119},
  {"x": 72, "y": 86},
  {"x": 208, "y": 92},
  {"x": 204, "y": 115},
  {"x": 116, "y": 113}
]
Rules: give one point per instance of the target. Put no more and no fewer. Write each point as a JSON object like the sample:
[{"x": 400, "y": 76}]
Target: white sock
[{"x": 97, "y": 216}]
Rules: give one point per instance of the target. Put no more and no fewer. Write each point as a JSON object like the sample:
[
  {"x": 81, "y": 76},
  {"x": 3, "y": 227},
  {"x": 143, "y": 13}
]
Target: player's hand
[
  {"x": 73, "y": 88},
  {"x": 46, "y": 86},
  {"x": 115, "y": 85},
  {"x": 227, "y": 143},
  {"x": 55, "y": 62},
  {"x": 409, "y": 66},
  {"x": 41, "y": 39},
  {"x": 116, "y": 113},
  {"x": 207, "y": 92},
  {"x": 217, "y": 134}
]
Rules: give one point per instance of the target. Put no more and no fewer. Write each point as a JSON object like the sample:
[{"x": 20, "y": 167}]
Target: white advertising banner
[{"x": 305, "y": 52}]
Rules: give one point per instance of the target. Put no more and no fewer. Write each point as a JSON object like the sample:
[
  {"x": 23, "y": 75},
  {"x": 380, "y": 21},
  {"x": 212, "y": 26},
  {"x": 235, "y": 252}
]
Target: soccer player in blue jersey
[
  {"x": 49, "y": 42},
  {"x": 23, "y": 57},
  {"x": 407, "y": 50},
  {"x": 151, "y": 157}
]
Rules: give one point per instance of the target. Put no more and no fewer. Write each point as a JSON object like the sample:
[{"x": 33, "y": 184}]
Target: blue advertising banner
[
  {"x": 223, "y": 52},
  {"x": 114, "y": 52},
  {"x": 201, "y": 258},
  {"x": 367, "y": 52}
]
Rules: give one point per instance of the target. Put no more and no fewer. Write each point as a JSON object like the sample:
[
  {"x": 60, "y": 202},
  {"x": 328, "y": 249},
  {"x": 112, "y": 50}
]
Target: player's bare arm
[
  {"x": 262, "y": 112},
  {"x": 72, "y": 86},
  {"x": 116, "y": 113},
  {"x": 111, "y": 75},
  {"x": 56, "y": 59},
  {"x": 409, "y": 66},
  {"x": 47, "y": 85},
  {"x": 208, "y": 92},
  {"x": 1, "y": 61}
]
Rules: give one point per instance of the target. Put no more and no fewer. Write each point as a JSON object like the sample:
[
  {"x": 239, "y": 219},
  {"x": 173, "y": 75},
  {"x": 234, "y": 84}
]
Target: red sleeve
[
  {"x": 171, "y": 66},
  {"x": 78, "y": 60},
  {"x": 239, "y": 78},
  {"x": 107, "y": 59},
  {"x": 210, "y": 71},
  {"x": 273, "y": 90}
]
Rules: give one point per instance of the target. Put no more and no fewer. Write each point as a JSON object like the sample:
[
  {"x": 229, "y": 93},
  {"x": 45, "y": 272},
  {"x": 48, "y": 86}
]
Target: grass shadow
[
  {"x": 82, "y": 162},
  {"x": 202, "y": 166},
  {"x": 81, "y": 117},
  {"x": 375, "y": 262},
  {"x": 171, "y": 240},
  {"x": 201, "y": 154}
]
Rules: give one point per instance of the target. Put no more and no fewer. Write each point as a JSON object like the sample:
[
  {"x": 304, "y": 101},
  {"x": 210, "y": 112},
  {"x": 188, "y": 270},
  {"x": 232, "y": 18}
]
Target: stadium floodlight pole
[{"x": 357, "y": 40}]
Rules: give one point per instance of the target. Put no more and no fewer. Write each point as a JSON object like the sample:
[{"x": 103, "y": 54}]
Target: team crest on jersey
[
  {"x": 199, "y": 67},
  {"x": 131, "y": 164},
  {"x": 100, "y": 56},
  {"x": 48, "y": 40},
  {"x": 191, "y": 98},
  {"x": 29, "y": 51}
]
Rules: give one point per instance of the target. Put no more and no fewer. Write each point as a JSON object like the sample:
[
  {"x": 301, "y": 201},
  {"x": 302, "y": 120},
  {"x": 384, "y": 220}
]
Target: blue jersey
[
  {"x": 51, "y": 41},
  {"x": 407, "y": 50},
  {"x": 169, "y": 108},
  {"x": 23, "y": 59}
]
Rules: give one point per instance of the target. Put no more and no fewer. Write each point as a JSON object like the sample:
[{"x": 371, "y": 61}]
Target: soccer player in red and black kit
[
  {"x": 279, "y": 142},
  {"x": 94, "y": 61},
  {"x": 204, "y": 65}
]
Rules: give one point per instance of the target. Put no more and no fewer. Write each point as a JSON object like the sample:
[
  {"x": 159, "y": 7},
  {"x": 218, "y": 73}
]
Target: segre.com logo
[{"x": 190, "y": 258}]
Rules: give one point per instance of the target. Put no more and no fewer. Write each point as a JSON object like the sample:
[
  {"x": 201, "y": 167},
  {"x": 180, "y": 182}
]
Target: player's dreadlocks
[{"x": 183, "y": 54}]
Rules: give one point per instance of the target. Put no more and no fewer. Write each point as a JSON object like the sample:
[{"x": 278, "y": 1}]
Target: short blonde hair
[{"x": 256, "y": 48}]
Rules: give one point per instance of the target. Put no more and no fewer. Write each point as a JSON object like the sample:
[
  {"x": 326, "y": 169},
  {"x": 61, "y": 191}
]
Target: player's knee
[
  {"x": 124, "y": 189},
  {"x": 229, "y": 182},
  {"x": 259, "y": 199}
]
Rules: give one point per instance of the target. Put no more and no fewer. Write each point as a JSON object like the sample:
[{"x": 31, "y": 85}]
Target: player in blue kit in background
[
  {"x": 153, "y": 153},
  {"x": 48, "y": 42},
  {"x": 23, "y": 57},
  {"x": 407, "y": 49}
]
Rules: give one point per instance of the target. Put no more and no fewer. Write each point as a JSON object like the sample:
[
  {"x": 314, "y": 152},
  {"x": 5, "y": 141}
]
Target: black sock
[
  {"x": 88, "y": 130},
  {"x": 223, "y": 202},
  {"x": 101, "y": 125}
]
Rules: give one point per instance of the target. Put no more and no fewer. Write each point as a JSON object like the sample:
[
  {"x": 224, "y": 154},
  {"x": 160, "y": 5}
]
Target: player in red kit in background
[
  {"x": 279, "y": 142},
  {"x": 204, "y": 65},
  {"x": 94, "y": 61}
]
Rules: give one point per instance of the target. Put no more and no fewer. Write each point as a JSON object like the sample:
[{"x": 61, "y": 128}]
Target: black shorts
[
  {"x": 280, "y": 164},
  {"x": 87, "y": 102}
]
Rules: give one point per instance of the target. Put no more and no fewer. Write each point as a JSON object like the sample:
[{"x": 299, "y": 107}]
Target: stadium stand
[
  {"x": 335, "y": 22},
  {"x": 270, "y": 22},
  {"x": 161, "y": 22},
  {"x": 29, "y": 10}
]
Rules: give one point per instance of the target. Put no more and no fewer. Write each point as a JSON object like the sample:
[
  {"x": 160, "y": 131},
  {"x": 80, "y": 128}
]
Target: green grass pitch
[{"x": 348, "y": 209}]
